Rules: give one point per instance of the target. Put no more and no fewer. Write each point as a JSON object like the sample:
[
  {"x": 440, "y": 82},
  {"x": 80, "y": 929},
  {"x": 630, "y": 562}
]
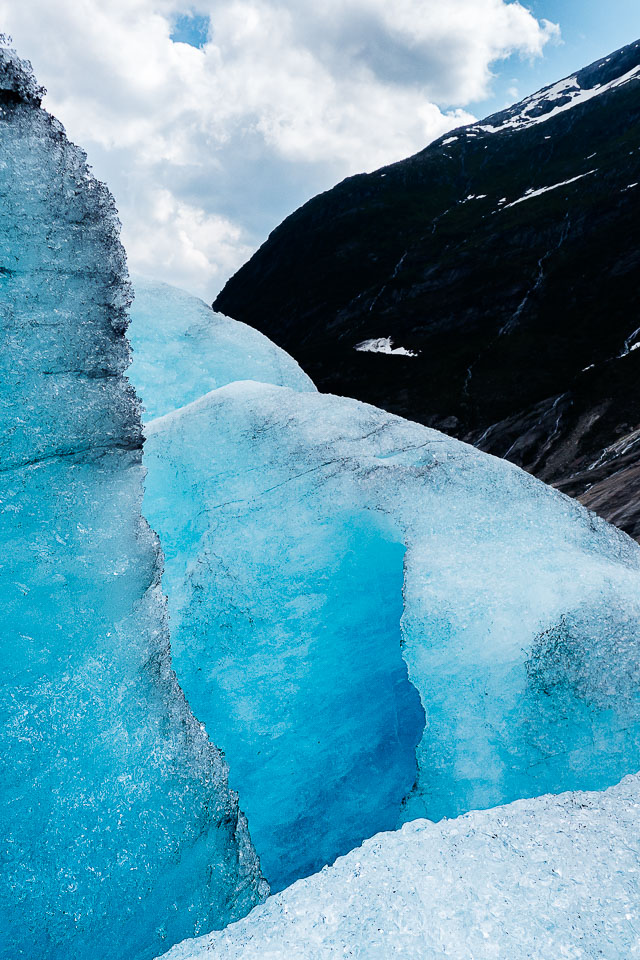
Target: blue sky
[{"x": 211, "y": 120}]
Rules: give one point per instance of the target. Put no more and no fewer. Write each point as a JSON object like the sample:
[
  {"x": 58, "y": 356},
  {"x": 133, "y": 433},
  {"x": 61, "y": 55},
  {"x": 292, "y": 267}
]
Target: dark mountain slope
[{"x": 507, "y": 257}]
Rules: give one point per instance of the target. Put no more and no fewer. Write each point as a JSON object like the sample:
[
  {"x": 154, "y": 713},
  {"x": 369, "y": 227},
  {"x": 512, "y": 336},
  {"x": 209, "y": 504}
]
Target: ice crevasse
[
  {"x": 378, "y": 623},
  {"x": 118, "y": 829}
]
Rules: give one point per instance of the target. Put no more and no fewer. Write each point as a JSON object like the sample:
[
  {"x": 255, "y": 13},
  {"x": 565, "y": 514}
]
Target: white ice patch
[
  {"x": 547, "y": 878},
  {"x": 564, "y": 88},
  {"x": 531, "y": 193},
  {"x": 384, "y": 345},
  {"x": 630, "y": 344}
]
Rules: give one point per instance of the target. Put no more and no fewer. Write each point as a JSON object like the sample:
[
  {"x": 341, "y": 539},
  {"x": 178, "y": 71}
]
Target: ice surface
[
  {"x": 286, "y": 632},
  {"x": 182, "y": 349},
  {"x": 17, "y": 82},
  {"x": 313, "y": 544},
  {"x": 550, "y": 878},
  {"x": 119, "y": 833}
]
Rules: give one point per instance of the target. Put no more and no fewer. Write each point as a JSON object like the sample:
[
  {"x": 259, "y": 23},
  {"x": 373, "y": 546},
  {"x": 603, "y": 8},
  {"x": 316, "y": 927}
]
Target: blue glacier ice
[
  {"x": 120, "y": 835},
  {"x": 549, "y": 878},
  {"x": 377, "y": 622},
  {"x": 182, "y": 349},
  {"x": 305, "y": 640}
]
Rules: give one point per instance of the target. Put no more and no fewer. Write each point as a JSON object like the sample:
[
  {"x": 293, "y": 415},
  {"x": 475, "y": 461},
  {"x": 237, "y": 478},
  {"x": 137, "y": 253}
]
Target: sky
[{"x": 211, "y": 121}]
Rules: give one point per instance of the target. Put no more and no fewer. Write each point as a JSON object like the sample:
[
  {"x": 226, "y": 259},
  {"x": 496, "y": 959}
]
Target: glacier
[
  {"x": 120, "y": 834},
  {"x": 546, "y": 878},
  {"x": 181, "y": 350},
  {"x": 378, "y": 623}
]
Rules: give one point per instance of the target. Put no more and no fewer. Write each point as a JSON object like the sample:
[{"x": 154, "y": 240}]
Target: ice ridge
[
  {"x": 326, "y": 562},
  {"x": 120, "y": 834}
]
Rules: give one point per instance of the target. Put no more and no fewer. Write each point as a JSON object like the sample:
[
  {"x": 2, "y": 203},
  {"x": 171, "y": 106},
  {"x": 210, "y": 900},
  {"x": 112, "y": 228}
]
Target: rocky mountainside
[{"x": 486, "y": 286}]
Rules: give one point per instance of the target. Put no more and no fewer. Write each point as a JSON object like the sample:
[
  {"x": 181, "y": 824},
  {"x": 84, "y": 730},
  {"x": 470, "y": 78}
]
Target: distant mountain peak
[{"x": 598, "y": 78}]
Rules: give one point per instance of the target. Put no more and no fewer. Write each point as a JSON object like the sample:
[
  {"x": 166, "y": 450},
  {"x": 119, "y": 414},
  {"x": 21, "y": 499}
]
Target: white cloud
[
  {"x": 284, "y": 99},
  {"x": 184, "y": 242}
]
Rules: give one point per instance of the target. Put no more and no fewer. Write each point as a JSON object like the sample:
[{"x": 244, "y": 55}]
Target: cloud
[
  {"x": 208, "y": 142},
  {"x": 185, "y": 242}
]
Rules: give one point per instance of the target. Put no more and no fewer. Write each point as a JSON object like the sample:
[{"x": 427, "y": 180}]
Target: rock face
[
  {"x": 545, "y": 878},
  {"x": 119, "y": 832},
  {"x": 486, "y": 286}
]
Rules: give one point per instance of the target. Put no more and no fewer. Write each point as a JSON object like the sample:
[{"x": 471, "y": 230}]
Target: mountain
[{"x": 486, "y": 286}]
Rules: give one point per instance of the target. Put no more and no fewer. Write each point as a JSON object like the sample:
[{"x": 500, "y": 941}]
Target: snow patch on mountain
[
  {"x": 384, "y": 345},
  {"x": 569, "y": 92},
  {"x": 531, "y": 193}
]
